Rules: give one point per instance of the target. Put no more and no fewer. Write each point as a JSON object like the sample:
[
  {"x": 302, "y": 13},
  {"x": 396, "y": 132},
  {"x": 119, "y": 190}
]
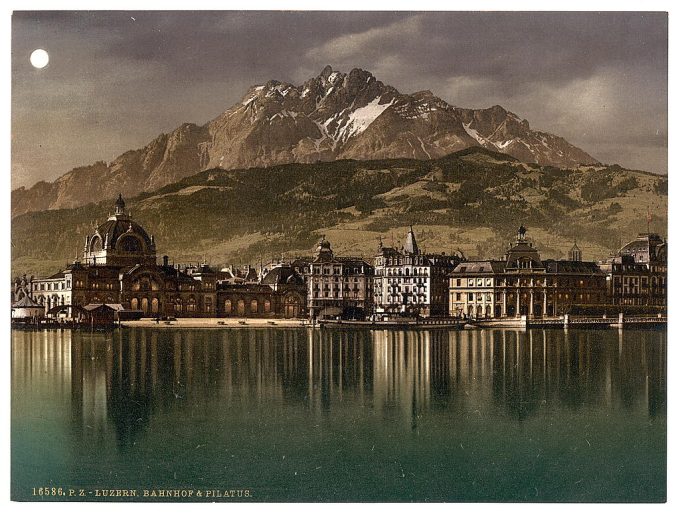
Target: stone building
[
  {"x": 280, "y": 294},
  {"x": 119, "y": 266},
  {"x": 636, "y": 275},
  {"x": 408, "y": 282},
  {"x": 337, "y": 286},
  {"x": 524, "y": 284}
]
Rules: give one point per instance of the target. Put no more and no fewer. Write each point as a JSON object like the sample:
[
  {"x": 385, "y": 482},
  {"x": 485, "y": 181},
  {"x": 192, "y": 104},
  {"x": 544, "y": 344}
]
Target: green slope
[{"x": 472, "y": 200}]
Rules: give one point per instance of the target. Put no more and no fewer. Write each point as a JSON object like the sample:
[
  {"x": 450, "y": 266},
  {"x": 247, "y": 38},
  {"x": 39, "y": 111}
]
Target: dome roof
[
  {"x": 323, "y": 245},
  {"x": 645, "y": 248},
  {"x": 323, "y": 250},
  {"x": 120, "y": 241},
  {"x": 115, "y": 227},
  {"x": 282, "y": 275},
  {"x": 641, "y": 243}
]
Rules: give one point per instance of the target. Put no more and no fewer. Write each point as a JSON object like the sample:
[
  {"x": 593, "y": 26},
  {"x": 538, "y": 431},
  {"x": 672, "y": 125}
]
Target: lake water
[{"x": 322, "y": 415}]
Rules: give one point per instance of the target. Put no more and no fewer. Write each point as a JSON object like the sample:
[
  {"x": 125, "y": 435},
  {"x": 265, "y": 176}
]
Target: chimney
[{"x": 165, "y": 260}]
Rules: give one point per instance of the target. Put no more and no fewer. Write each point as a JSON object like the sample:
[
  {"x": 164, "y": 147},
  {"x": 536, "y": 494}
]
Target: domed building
[
  {"x": 636, "y": 275},
  {"x": 119, "y": 268},
  {"x": 119, "y": 241}
]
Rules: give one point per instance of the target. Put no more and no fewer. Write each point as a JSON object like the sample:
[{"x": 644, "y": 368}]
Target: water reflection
[{"x": 116, "y": 383}]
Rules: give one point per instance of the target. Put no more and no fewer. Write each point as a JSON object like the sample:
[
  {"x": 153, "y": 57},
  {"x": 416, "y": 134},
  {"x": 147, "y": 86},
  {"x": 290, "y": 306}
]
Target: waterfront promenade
[{"x": 214, "y": 323}]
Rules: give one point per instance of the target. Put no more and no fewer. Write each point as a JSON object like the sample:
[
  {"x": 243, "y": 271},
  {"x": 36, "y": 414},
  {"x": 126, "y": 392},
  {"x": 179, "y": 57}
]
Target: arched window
[
  {"x": 95, "y": 244},
  {"x": 227, "y": 306},
  {"x": 253, "y": 306},
  {"x": 134, "y": 304},
  {"x": 267, "y": 306}
]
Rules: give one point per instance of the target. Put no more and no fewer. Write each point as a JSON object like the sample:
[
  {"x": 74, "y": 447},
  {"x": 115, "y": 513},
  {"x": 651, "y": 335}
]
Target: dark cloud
[{"x": 117, "y": 79}]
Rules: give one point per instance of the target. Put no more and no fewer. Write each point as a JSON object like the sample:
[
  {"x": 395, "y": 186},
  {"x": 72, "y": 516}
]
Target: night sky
[{"x": 117, "y": 79}]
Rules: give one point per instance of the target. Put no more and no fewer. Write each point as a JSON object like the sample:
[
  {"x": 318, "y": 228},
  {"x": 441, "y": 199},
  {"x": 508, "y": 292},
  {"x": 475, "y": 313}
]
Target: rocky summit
[{"x": 332, "y": 116}]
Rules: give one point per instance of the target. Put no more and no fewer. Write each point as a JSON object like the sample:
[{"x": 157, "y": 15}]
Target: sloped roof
[
  {"x": 562, "y": 266},
  {"x": 282, "y": 275},
  {"x": 477, "y": 267},
  {"x": 101, "y": 307},
  {"x": 26, "y": 302},
  {"x": 411, "y": 246},
  {"x": 118, "y": 225}
]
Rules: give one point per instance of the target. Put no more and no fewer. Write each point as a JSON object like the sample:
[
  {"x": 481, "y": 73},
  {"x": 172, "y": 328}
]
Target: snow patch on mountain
[
  {"x": 361, "y": 118},
  {"x": 473, "y": 133},
  {"x": 503, "y": 145}
]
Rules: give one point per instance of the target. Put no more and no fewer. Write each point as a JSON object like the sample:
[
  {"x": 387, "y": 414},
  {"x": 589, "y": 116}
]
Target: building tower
[
  {"x": 119, "y": 241},
  {"x": 411, "y": 246}
]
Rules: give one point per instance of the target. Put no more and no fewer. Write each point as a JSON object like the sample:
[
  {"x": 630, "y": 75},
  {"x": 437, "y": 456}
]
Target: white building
[{"x": 408, "y": 282}]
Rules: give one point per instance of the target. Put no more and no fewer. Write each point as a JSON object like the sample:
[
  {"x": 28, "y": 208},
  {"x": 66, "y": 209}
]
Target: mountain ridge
[{"x": 331, "y": 116}]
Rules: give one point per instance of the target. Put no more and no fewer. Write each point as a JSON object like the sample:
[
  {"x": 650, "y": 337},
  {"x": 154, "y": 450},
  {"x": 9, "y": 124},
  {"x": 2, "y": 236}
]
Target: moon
[{"x": 40, "y": 58}]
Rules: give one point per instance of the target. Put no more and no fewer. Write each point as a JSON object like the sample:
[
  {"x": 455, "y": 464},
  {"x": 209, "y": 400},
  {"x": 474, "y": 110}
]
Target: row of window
[
  {"x": 335, "y": 286},
  {"x": 407, "y": 289},
  {"x": 472, "y": 297},
  {"x": 487, "y": 297},
  {"x": 640, "y": 281},
  {"x": 335, "y": 270},
  {"x": 564, "y": 282},
  {"x": 406, "y": 299},
  {"x": 51, "y": 286},
  {"x": 53, "y": 301},
  {"x": 401, "y": 272},
  {"x": 485, "y": 281},
  {"x": 240, "y": 306},
  {"x": 399, "y": 260},
  {"x": 334, "y": 295}
]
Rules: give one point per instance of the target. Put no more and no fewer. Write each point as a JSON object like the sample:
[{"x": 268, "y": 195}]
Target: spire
[
  {"x": 120, "y": 205},
  {"x": 411, "y": 246}
]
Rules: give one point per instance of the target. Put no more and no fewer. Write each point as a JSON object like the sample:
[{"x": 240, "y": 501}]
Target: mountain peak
[
  {"x": 332, "y": 116},
  {"x": 326, "y": 72}
]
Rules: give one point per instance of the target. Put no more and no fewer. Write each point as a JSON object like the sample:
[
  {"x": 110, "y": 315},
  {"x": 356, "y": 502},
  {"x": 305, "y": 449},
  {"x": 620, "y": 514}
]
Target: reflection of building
[
  {"x": 119, "y": 266},
  {"x": 402, "y": 366},
  {"x": 636, "y": 276},
  {"x": 524, "y": 284},
  {"x": 409, "y": 282},
  {"x": 387, "y": 380},
  {"x": 338, "y": 286}
]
